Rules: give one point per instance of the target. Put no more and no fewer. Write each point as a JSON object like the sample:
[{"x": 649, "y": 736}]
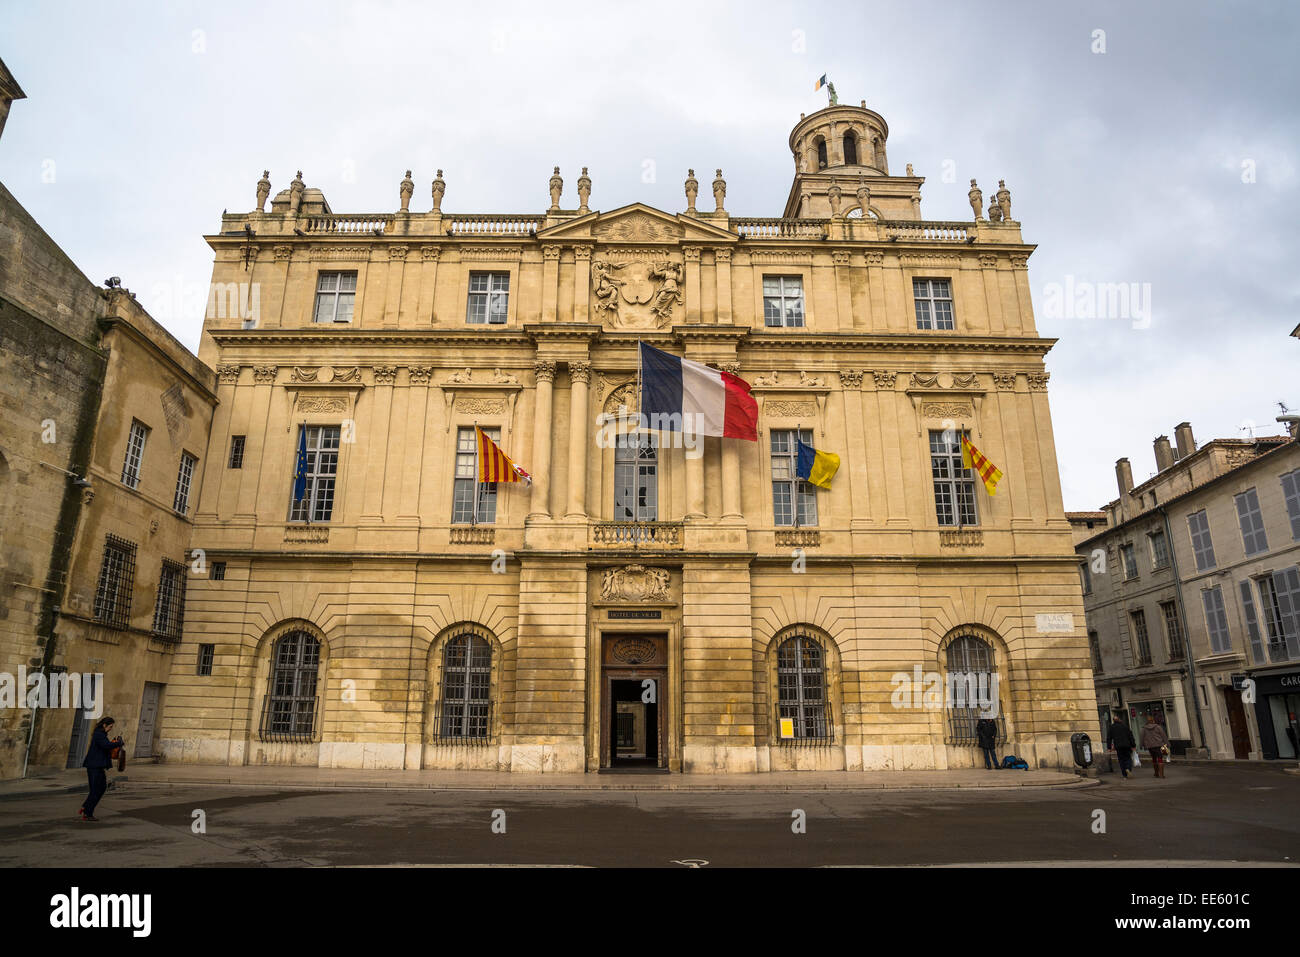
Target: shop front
[{"x": 1277, "y": 705}]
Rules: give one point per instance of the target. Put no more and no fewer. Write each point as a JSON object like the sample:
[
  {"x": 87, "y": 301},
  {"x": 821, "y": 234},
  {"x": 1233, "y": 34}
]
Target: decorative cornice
[{"x": 491, "y": 253}]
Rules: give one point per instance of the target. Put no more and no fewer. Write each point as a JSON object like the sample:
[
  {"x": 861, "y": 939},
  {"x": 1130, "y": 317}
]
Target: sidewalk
[{"x": 290, "y": 778}]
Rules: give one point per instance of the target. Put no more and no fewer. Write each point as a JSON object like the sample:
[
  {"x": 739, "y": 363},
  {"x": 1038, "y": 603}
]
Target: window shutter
[
  {"x": 1287, "y": 583},
  {"x": 1252, "y": 624}
]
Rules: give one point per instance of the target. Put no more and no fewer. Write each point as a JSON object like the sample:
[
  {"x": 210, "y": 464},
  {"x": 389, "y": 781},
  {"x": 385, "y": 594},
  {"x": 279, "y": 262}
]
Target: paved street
[{"x": 1218, "y": 813}]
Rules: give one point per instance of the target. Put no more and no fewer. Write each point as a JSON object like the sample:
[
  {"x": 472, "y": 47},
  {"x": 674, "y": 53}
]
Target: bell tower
[{"x": 841, "y": 168}]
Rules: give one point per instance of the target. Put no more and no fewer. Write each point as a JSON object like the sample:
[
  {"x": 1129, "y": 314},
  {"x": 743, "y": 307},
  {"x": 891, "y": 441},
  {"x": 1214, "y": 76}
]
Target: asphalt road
[{"x": 1199, "y": 813}]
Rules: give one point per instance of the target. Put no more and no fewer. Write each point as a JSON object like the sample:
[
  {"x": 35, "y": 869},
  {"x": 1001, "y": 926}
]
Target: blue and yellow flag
[
  {"x": 815, "y": 466},
  {"x": 820, "y": 83}
]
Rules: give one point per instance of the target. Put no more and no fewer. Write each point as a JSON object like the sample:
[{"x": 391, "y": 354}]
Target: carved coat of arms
[
  {"x": 635, "y": 583},
  {"x": 636, "y": 294}
]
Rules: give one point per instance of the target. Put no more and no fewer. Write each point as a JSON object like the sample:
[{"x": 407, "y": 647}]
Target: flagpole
[
  {"x": 961, "y": 447},
  {"x": 794, "y": 486},
  {"x": 477, "y": 475}
]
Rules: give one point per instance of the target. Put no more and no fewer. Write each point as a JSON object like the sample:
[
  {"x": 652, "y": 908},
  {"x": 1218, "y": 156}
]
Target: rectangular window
[
  {"x": 1252, "y": 522},
  {"x": 1173, "y": 630},
  {"x": 1216, "y": 620},
  {"x": 1086, "y": 575},
  {"x": 782, "y": 301},
  {"x": 181, "y": 503},
  {"x": 933, "y": 299},
  {"x": 466, "y": 482},
  {"x": 1159, "y": 550},
  {"x": 1291, "y": 492},
  {"x": 1252, "y": 622},
  {"x": 236, "y": 452},
  {"x": 489, "y": 297},
  {"x": 636, "y": 478},
  {"x": 1202, "y": 546},
  {"x": 218, "y": 571},
  {"x": 793, "y": 500},
  {"x": 1130, "y": 561},
  {"x": 116, "y": 582},
  {"x": 1141, "y": 643},
  {"x": 1279, "y": 598},
  {"x": 336, "y": 294},
  {"x": 206, "y": 654},
  {"x": 954, "y": 486},
  {"x": 169, "y": 611},
  {"x": 317, "y": 503},
  {"x": 1270, "y": 610},
  {"x": 134, "y": 454},
  {"x": 1094, "y": 646}
]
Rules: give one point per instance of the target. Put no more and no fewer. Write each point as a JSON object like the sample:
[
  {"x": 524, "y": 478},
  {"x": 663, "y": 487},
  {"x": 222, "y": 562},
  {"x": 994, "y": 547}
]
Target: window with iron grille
[
  {"x": 933, "y": 299},
  {"x": 1202, "y": 546},
  {"x": 794, "y": 501},
  {"x": 1159, "y": 550},
  {"x": 336, "y": 294},
  {"x": 290, "y": 712},
  {"x": 116, "y": 582},
  {"x": 783, "y": 301},
  {"x": 801, "y": 686},
  {"x": 218, "y": 571},
  {"x": 169, "y": 610},
  {"x": 317, "y": 503},
  {"x": 1173, "y": 630},
  {"x": 1252, "y": 522},
  {"x": 466, "y": 482},
  {"x": 134, "y": 454},
  {"x": 1130, "y": 562},
  {"x": 1216, "y": 620},
  {"x": 236, "y": 451},
  {"x": 636, "y": 477},
  {"x": 466, "y": 687},
  {"x": 489, "y": 297},
  {"x": 1141, "y": 642},
  {"x": 1094, "y": 646},
  {"x": 204, "y": 664},
  {"x": 1291, "y": 492},
  {"x": 184, "y": 478},
  {"x": 954, "y": 485},
  {"x": 971, "y": 666}
]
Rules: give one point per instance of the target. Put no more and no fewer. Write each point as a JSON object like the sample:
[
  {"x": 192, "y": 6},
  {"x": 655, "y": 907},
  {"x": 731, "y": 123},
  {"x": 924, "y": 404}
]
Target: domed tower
[{"x": 844, "y": 147}]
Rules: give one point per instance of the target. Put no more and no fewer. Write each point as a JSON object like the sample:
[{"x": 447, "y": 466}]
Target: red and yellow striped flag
[
  {"x": 973, "y": 458},
  {"x": 494, "y": 465}
]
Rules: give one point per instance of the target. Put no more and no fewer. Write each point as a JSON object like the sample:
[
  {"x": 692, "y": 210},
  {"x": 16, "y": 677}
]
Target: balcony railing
[
  {"x": 777, "y": 228},
  {"x": 798, "y": 538},
  {"x": 307, "y": 534},
  {"x": 355, "y": 224},
  {"x": 288, "y": 718},
  {"x": 637, "y": 534},
  {"x": 490, "y": 225},
  {"x": 957, "y": 537},
  {"x": 919, "y": 231},
  {"x": 473, "y": 535}
]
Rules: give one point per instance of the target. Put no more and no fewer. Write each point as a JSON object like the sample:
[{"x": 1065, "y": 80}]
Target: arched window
[
  {"x": 466, "y": 688},
  {"x": 801, "y": 687},
  {"x": 850, "y": 149},
  {"x": 821, "y": 153},
  {"x": 289, "y": 713},
  {"x": 971, "y": 690},
  {"x": 636, "y": 477}
]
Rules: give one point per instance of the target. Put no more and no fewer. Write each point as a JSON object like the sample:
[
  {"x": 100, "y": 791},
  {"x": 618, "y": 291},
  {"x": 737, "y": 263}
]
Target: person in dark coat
[
  {"x": 1121, "y": 741},
  {"x": 97, "y": 762},
  {"x": 986, "y": 732}
]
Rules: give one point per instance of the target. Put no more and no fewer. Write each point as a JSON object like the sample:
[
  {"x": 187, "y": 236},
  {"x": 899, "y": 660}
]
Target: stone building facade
[
  {"x": 1192, "y": 594},
  {"x": 638, "y": 604}
]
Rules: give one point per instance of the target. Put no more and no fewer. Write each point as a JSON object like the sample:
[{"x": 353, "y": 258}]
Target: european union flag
[{"x": 300, "y": 473}]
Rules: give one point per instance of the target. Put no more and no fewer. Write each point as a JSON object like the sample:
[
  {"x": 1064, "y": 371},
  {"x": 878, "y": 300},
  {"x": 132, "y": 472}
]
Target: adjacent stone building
[
  {"x": 1192, "y": 591},
  {"x": 638, "y": 604}
]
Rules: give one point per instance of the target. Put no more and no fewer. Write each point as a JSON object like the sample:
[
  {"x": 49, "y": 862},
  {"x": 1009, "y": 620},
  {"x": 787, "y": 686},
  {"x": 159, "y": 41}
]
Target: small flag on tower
[
  {"x": 820, "y": 83},
  {"x": 973, "y": 458},
  {"x": 494, "y": 465},
  {"x": 815, "y": 466}
]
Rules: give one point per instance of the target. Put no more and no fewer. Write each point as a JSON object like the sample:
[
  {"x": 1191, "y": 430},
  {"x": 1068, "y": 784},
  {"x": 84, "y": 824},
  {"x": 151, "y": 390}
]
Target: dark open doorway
[{"x": 633, "y": 733}]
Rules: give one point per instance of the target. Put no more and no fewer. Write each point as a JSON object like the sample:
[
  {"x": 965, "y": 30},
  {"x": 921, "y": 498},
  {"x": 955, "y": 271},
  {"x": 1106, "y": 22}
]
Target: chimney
[
  {"x": 1164, "y": 454},
  {"x": 1124, "y": 477},
  {"x": 1183, "y": 437}
]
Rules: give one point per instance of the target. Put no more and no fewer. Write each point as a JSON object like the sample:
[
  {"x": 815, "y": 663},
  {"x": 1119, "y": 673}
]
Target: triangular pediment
[{"x": 639, "y": 224}]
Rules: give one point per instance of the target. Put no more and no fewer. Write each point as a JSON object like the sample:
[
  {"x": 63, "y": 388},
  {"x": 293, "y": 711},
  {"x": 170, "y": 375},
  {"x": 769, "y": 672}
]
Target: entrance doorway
[
  {"x": 148, "y": 720},
  {"x": 1237, "y": 722},
  {"x": 633, "y": 710}
]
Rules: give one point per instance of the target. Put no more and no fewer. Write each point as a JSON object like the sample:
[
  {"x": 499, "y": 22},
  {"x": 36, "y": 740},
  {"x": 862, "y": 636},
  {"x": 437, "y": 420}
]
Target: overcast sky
[{"x": 1168, "y": 161}]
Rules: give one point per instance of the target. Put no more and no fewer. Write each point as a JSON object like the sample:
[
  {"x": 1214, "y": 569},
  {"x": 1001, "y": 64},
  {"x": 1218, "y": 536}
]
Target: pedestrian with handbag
[
  {"x": 1120, "y": 740},
  {"x": 97, "y": 762},
  {"x": 1156, "y": 741}
]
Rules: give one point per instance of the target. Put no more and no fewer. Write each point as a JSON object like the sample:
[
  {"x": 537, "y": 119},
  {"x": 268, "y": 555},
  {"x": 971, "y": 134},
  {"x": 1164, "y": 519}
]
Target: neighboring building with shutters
[
  {"x": 639, "y": 604},
  {"x": 1192, "y": 590}
]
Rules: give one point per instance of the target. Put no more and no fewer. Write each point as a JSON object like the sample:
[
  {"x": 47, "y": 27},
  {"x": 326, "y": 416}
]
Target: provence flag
[
  {"x": 815, "y": 466},
  {"x": 300, "y": 471},
  {"x": 717, "y": 402},
  {"x": 820, "y": 83},
  {"x": 973, "y": 458},
  {"x": 494, "y": 465}
]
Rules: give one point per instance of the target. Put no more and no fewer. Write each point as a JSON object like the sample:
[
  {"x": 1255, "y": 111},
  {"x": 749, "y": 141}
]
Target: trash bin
[{"x": 1082, "y": 747}]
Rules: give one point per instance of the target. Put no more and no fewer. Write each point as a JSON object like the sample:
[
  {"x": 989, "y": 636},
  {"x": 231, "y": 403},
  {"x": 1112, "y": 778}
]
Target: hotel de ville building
[{"x": 646, "y": 601}]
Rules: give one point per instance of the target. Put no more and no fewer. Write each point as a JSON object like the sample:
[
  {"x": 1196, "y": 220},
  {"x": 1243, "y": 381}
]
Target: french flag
[{"x": 717, "y": 402}]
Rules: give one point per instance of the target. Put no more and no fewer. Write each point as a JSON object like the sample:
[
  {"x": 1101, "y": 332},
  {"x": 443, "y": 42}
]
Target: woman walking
[
  {"x": 1155, "y": 740},
  {"x": 97, "y": 762}
]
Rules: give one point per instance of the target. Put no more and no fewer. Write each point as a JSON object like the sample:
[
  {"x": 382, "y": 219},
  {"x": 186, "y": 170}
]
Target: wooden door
[
  {"x": 148, "y": 720},
  {"x": 1237, "y": 722}
]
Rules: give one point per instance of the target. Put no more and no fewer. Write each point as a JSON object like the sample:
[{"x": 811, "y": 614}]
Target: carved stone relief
[{"x": 635, "y": 583}]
